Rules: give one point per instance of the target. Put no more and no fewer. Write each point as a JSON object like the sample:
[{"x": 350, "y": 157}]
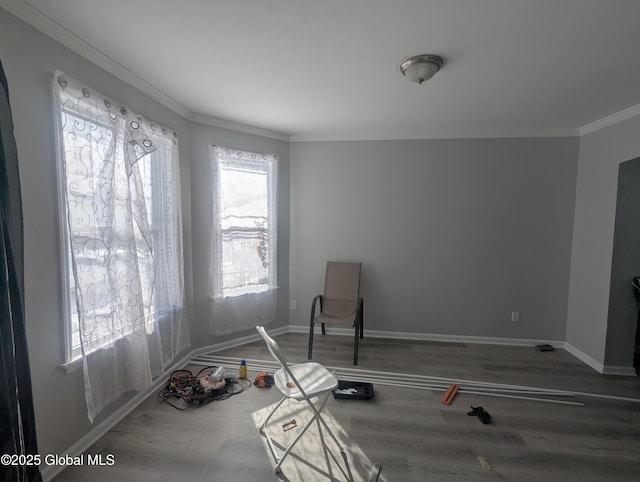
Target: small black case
[
  {"x": 544, "y": 348},
  {"x": 363, "y": 390}
]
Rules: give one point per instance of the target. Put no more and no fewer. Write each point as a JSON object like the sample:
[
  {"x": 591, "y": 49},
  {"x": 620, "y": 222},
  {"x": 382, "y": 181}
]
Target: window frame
[
  {"x": 71, "y": 359},
  {"x": 268, "y": 166},
  {"x": 72, "y": 356}
]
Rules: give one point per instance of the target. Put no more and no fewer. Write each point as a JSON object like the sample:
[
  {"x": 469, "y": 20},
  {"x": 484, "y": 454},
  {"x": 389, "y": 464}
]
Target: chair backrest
[
  {"x": 341, "y": 287},
  {"x": 278, "y": 355},
  {"x": 273, "y": 347}
]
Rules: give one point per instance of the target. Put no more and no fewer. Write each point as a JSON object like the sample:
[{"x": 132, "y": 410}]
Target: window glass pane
[
  {"x": 244, "y": 212},
  {"x": 88, "y": 161},
  {"x": 88, "y": 164},
  {"x": 244, "y": 223}
]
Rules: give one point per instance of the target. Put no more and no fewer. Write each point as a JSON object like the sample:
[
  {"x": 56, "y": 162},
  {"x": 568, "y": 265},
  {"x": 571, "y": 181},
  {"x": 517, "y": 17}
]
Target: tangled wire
[{"x": 203, "y": 387}]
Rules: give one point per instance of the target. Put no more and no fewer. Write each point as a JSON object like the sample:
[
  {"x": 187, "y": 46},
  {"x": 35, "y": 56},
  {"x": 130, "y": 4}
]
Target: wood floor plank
[{"x": 407, "y": 430}]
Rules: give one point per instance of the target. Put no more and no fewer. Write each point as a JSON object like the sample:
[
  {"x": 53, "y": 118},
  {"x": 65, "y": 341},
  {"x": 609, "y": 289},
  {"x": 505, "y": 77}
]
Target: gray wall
[
  {"x": 601, "y": 152},
  {"x": 625, "y": 265},
  {"x": 30, "y": 59},
  {"x": 453, "y": 234},
  {"x": 202, "y": 137}
]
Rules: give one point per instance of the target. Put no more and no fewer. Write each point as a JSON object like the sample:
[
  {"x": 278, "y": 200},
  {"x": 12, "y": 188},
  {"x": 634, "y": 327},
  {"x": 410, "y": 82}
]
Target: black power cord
[{"x": 187, "y": 387}]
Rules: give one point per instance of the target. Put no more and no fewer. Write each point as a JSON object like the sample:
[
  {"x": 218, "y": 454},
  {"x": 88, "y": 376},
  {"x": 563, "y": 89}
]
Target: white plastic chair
[{"x": 304, "y": 383}]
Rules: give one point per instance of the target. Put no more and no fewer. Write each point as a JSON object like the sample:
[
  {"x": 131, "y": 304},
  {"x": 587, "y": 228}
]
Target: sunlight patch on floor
[{"x": 315, "y": 457}]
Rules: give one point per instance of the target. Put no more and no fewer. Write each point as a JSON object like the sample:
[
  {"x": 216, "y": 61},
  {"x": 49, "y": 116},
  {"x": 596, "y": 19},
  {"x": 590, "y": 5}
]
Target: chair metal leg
[
  {"x": 311, "y": 329},
  {"x": 359, "y": 330},
  {"x": 312, "y": 325},
  {"x": 264, "y": 424},
  {"x": 317, "y": 417},
  {"x": 356, "y": 343},
  {"x": 272, "y": 448},
  {"x": 361, "y": 301}
]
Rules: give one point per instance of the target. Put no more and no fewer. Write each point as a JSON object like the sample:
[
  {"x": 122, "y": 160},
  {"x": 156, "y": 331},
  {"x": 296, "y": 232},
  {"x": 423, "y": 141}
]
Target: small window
[{"x": 244, "y": 222}]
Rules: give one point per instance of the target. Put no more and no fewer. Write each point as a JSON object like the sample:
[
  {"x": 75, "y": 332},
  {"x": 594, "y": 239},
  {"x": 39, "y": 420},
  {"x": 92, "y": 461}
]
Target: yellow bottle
[{"x": 243, "y": 369}]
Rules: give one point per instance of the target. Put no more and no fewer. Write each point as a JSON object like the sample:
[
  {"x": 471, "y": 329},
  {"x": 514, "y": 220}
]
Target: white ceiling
[{"x": 328, "y": 69}]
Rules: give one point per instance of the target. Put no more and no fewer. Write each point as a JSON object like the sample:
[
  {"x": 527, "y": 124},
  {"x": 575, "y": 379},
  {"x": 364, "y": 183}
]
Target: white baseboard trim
[
  {"x": 48, "y": 472},
  {"x": 486, "y": 340},
  {"x": 583, "y": 357},
  {"x": 235, "y": 342},
  {"x": 597, "y": 366},
  {"x": 619, "y": 370},
  {"x": 400, "y": 335}
]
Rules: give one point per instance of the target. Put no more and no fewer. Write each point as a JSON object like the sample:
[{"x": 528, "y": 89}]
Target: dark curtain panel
[{"x": 17, "y": 421}]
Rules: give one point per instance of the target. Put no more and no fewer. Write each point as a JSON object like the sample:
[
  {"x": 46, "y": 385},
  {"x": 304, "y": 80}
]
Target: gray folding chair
[
  {"x": 341, "y": 302},
  {"x": 305, "y": 382}
]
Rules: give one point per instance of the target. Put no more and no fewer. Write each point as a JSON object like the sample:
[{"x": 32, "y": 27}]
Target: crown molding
[
  {"x": 41, "y": 22},
  {"x": 38, "y": 20},
  {"x": 414, "y": 336},
  {"x": 610, "y": 120},
  {"x": 234, "y": 126},
  {"x": 311, "y": 137}
]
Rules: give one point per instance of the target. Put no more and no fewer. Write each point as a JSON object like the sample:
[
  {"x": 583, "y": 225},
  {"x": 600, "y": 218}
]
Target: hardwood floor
[{"x": 408, "y": 431}]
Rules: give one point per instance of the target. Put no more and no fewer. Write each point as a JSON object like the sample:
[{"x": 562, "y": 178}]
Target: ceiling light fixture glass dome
[{"x": 421, "y": 68}]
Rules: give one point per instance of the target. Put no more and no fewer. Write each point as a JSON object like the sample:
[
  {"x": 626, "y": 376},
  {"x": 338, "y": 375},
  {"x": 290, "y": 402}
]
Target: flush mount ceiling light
[{"x": 420, "y": 68}]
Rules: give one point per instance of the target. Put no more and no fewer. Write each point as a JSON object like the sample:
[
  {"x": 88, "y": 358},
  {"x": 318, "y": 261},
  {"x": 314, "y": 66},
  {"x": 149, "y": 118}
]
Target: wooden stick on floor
[{"x": 449, "y": 394}]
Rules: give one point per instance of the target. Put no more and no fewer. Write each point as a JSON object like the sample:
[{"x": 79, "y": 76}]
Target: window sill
[
  {"x": 162, "y": 316},
  {"x": 72, "y": 366}
]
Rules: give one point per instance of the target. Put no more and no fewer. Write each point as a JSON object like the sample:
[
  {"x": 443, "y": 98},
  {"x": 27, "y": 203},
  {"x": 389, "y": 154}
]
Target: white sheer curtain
[
  {"x": 243, "y": 239},
  {"x": 121, "y": 189}
]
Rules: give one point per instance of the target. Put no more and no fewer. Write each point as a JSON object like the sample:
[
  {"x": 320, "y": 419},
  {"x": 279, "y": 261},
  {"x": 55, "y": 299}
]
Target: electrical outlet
[
  {"x": 515, "y": 316},
  {"x": 292, "y": 304}
]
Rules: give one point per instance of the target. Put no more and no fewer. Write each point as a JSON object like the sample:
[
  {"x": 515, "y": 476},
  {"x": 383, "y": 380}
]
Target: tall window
[
  {"x": 89, "y": 249},
  {"x": 121, "y": 242},
  {"x": 244, "y": 239}
]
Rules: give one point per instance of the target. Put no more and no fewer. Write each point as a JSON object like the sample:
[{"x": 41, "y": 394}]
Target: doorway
[{"x": 623, "y": 322}]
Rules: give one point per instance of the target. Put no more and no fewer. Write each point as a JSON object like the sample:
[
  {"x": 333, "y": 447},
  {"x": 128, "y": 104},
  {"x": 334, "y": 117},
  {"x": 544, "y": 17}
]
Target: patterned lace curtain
[
  {"x": 122, "y": 194},
  {"x": 244, "y": 245}
]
